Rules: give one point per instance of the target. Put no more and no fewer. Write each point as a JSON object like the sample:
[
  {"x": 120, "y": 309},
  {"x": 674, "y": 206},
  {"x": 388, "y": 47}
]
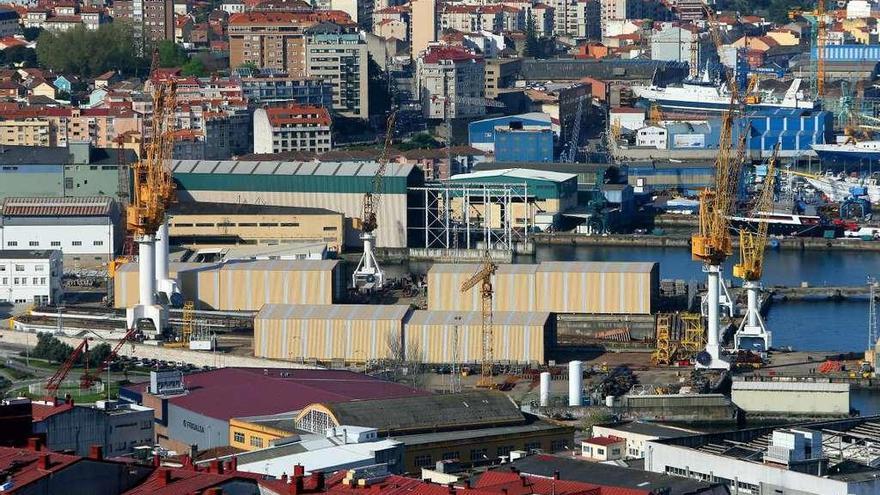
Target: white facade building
[
  {"x": 451, "y": 73},
  {"x": 651, "y": 136},
  {"x": 30, "y": 276},
  {"x": 84, "y": 229}
]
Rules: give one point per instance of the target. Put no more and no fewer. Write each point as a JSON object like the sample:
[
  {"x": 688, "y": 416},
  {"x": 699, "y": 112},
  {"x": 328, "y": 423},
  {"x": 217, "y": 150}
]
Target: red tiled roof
[
  {"x": 24, "y": 465},
  {"x": 183, "y": 481},
  {"x": 85, "y": 206},
  {"x": 42, "y": 411},
  {"x": 437, "y": 53},
  {"x": 246, "y": 18},
  {"x": 516, "y": 484},
  {"x": 298, "y": 114},
  {"x": 275, "y": 391},
  {"x": 604, "y": 441}
]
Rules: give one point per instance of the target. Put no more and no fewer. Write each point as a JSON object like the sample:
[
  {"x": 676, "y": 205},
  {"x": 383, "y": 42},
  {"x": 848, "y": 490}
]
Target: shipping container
[
  {"x": 597, "y": 287},
  {"x": 350, "y": 332},
  {"x": 518, "y": 337}
]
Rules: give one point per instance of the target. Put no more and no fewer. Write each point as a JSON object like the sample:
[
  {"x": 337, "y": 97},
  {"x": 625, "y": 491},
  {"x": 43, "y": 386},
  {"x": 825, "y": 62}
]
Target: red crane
[
  {"x": 55, "y": 381},
  {"x": 88, "y": 379}
]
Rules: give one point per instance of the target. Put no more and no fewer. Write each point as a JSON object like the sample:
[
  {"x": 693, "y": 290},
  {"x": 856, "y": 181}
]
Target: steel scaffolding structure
[{"x": 462, "y": 215}]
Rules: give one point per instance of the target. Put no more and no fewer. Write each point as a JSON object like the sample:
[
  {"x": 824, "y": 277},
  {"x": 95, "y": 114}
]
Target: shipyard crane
[
  {"x": 819, "y": 24},
  {"x": 752, "y": 333},
  {"x": 54, "y": 381},
  {"x": 153, "y": 194},
  {"x": 712, "y": 244},
  {"x": 87, "y": 379},
  {"x": 368, "y": 275},
  {"x": 483, "y": 277}
]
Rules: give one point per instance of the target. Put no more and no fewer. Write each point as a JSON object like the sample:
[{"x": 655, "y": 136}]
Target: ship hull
[{"x": 796, "y": 227}]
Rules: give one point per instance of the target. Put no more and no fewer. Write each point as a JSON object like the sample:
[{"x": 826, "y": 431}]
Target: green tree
[
  {"x": 533, "y": 44},
  {"x": 87, "y": 53},
  {"x": 20, "y": 56},
  {"x": 171, "y": 54},
  {"x": 195, "y": 67},
  {"x": 421, "y": 141},
  {"x": 31, "y": 33}
]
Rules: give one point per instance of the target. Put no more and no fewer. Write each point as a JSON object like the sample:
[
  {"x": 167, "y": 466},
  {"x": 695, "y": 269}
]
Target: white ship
[
  {"x": 838, "y": 187},
  {"x": 714, "y": 96}
]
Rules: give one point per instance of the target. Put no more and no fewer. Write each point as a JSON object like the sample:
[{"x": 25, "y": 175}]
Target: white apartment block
[
  {"x": 30, "y": 277},
  {"x": 451, "y": 80}
]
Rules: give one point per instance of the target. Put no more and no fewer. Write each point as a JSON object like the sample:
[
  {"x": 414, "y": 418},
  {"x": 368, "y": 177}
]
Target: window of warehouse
[
  {"x": 256, "y": 442},
  {"x": 315, "y": 422},
  {"x": 238, "y": 437},
  {"x": 423, "y": 461}
]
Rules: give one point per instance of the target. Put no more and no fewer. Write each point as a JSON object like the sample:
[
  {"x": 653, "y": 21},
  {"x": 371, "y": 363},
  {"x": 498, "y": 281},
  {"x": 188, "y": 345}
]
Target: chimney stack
[
  {"x": 296, "y": 486},
  {"x": 555, "y": 475},
  {"x": 233, "y": 464},
  {"x": 164, "y": 477},
  {"x": 35, "y": 444},
  {"x": 299, "y": 470},
  {"x": 451, "y": 488},
  {"x": 157, "y": 461},
  {"x": 318, "y": 481},
  {"x": 216, "y": 467},
  {"x": 43, "y": 462},
  {"x": 96, "y": 452}
]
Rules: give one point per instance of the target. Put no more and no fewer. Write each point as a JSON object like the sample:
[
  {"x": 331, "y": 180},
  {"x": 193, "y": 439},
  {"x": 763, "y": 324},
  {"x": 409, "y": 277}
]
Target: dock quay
[
  {"x": 683, "y": 241},
  {"x": 820, "y": 292}
]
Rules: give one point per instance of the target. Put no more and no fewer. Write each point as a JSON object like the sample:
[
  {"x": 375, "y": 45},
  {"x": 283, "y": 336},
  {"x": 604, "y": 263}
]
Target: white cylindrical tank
[
  {"x": 146, "y": 271},
  {"x": 162, "y": 252},
  {"x": 545, "y": 389},
  {"x": 575, "y": 383}
]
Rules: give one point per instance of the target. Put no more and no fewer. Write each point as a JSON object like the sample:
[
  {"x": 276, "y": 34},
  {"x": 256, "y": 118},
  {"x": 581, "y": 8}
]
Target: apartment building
[
  {"x": 337, "y": 55},
  {"x": 275, "y": 40},
  {"x": 423, "y": 26},
  {"x": 26, "y": 132},
  {"x": 448, "y": 77},
  {"x": 152, "y": 20},
  {"x": 292, "y": 128},
  {"x": 30, "y": 276}
]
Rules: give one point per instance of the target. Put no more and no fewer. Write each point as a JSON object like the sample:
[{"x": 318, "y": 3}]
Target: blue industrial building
[
  {"x": 524, "y": 137},
  {"x": 796, "y": 130},
  {"x": 849, "y": 53}
]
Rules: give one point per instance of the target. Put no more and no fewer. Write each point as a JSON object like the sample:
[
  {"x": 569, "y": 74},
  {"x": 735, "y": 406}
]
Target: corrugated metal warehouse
[
  {"x": 557, "y": 287},
  {"x": 789, "y": 398},
  {"x": 598, "y": 287},
  {"x": 243, "y": 285},
  {"x": 518, "y": 337},
  {"x": 336, "y": 186},
  {"x": 326, "y": 332}
]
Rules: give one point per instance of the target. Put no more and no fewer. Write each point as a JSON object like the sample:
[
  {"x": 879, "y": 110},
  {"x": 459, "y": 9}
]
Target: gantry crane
[
  {"x": 752, "y": 333},
  {"x": 487, "y": 335},
  {"x": 712, "y": 244},
  {"x": 368, "y": 275},
  {"x": 819, "y": 25},
  {"x": 153, "y": 194}
]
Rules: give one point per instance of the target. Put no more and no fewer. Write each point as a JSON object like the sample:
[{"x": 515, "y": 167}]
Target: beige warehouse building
[
  {"x": 556, "y": 287},
  {"x": 518, "y": 337},
  {"x": 244, "y": 285},
  {"x": 349, "y": 332}
]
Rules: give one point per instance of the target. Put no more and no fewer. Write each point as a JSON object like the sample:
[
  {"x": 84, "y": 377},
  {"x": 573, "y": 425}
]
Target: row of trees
[
  {"x": 53, "y": 350},
  {"x": 88, "y": 53}
]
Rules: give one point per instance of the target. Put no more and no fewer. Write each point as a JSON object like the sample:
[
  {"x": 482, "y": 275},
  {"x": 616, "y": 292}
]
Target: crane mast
[
  {"x": 368, "y": 275},
  {"x": 712, "y": 244},
  {"x": 752, "y": 333},
  {"x": 153, "y": 194},
  {"x": 483, "y": 277}
]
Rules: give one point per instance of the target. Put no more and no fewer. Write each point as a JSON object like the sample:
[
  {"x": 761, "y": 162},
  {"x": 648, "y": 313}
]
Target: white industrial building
[
  {"x": 637, "y": 434},
  {"x": 792, "y": 398},
  {"x": 651, "y": 136},
  {"x": 85, "y": 229},
  {"x": 823, "y": 458},
  {"x": 30, "y": 276}
]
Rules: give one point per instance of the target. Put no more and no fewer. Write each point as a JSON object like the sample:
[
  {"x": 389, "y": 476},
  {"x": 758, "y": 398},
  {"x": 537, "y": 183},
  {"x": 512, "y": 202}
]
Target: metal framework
[
  {"x": 456, "y": 215},
  {"x": 872, "y": 313}
]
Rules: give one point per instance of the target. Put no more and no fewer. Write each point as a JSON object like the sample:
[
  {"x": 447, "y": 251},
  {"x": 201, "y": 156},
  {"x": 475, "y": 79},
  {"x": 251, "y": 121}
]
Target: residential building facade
[
  {"x": 451, "y": 81},
  {"x": 292, "y": 128},
  {"x": 30, "y": 276}
]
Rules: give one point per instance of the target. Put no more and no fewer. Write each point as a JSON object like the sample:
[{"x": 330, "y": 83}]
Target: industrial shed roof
[
  {"x": 434, "y": 412},
  {"x": 353, "y": 168},
  {"x": 70, "y": 206},
  {"x": 174, "y": 266},
  {"x": 596, "y": 267},
  {"x": 515, "y": 173},
  {"x": 332, "y": 312},
  {"x": 282, "y": 265},
  {"x": 499, "y": 318},
  {"x": 270, "y": 391},
  {"x": 791, "y": 386}
]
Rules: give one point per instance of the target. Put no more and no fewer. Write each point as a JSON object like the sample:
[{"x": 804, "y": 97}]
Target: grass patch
[{"x": 15, "y": 373}]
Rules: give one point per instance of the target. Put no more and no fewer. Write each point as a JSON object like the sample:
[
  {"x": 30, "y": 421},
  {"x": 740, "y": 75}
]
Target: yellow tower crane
[
  {"x": 819, "y": 22},
  {"x": 712, "y": 244},
  {"x": 368, "y": 275},
  {"x": 487, "y": 336},
  {"x": 153, "y": 193},
  {"x": 752, "y": 333}
]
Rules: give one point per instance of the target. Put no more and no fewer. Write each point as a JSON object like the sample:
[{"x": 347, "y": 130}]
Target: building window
[
  {"x": 39, "y": 268},
  {"x": 98, "y": 243},
  {"x": 12, "y": 243},
  {"x": 19, "y": 268},
  {"x": 329, "y": 229},
  {"x": 42, "y": 280},
  {"x": 449, "y": 456},
  {"x": 478, "y": 454},
  {"x": 55, "y": 243},
  {"x": 34, "y": 243},
  {"x": 504, "y": 450},
  {"x": 238, "y": 437},
  {"x": 35, "y": 280},
  {"x": 423, "y": 460},
  {"x": 76, "y": 243},
  {"x": 532, "y": 446},
  {"x": 68, "y": 183},
  {"x": 256, "y": 442},
  {"x": 557, "y": 445}
]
